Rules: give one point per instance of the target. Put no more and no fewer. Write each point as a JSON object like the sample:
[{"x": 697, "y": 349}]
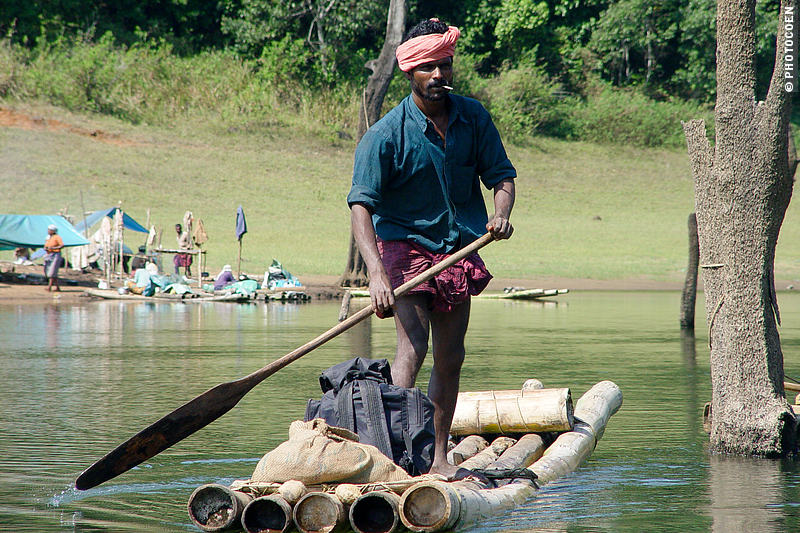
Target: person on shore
[
  {"x": 52, "y": 259},
  {"x": 140, "y": 259},
  {"x": 415, "y": 199},
  {"x": 183, "y": 260},
  {"x": 142, "y": 282},
  {"x": 224, "y": 278},
  {"x": 22, "y": 256}
]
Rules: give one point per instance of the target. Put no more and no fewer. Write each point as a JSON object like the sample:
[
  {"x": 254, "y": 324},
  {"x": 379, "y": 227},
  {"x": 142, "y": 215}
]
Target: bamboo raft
[
  {"x": 519, "y": 422},
  {"x": 112, "y": 294},
  {"x": 513, "y": 293},
  {"x": 521, "y": 294}
]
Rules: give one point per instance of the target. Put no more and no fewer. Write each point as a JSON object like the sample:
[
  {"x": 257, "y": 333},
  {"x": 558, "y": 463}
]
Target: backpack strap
[
  {"x": 376, "y": 416},
  {"x": 345, "y": 408},
  {"x": 414, "y": 418},
  {"x": 309, "y": 410}
]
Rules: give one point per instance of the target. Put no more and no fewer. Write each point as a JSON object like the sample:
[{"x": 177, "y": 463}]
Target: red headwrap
[{"x": 426, "y": 48}]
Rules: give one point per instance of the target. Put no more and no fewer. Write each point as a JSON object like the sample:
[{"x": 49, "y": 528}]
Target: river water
[{"x": 76, "y": 380}]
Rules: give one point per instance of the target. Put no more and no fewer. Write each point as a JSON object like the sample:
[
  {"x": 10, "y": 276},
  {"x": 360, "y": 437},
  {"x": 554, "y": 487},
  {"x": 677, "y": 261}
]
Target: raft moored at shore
[
  {"x": 112, "y": 294},
  {"x": 518, "y": 462},
  {"x": 509, "y": 293}
]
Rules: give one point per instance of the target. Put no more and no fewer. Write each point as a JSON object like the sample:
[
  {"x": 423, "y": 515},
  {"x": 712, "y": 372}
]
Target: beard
[{"x": 431, "y": 92}]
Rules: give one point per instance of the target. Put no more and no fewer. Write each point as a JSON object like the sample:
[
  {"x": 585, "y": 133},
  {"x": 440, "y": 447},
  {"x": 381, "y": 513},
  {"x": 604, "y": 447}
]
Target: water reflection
[
  {"x": 689, "y": 351},
  {"x": 746, "y": 494},
  {"x": 75, "y": 381}
]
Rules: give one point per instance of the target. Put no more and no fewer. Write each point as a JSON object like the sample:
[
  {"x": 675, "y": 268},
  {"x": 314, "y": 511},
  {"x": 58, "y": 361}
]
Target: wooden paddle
[{"x": 215, "y": 402}]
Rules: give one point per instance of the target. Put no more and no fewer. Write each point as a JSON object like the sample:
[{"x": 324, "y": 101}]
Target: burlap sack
[{"x": 317, "y": 453}]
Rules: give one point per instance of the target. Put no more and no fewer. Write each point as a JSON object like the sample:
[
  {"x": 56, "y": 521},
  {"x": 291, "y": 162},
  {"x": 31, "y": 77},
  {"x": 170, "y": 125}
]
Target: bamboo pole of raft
[
  {"x": 795, "y": 387},
  {"x": 537, "y": 411},
  {"x": 437, "y": 506},
  {"x": 216, "y": 507},
  {"x": 271, "y": 514},
  {"x": 489, "y": 455},
  {"x": 465, "y": 449},
  {"x": 523, "y": 454},
  {"x": 319, "y": 512},
  {"x": 376, "y": 512},
  {"x": 511, "y": 393}
]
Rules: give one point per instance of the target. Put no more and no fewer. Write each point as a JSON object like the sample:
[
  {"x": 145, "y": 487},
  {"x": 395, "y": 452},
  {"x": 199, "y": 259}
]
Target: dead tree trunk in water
[
  {"x": 689, "y": 296},
  {"x": 742, "y": 189},
  {"x": 355, "y": 274}
]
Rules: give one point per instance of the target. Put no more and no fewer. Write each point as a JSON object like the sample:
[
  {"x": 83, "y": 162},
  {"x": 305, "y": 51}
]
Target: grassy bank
[{"x": 583, "y": 210}]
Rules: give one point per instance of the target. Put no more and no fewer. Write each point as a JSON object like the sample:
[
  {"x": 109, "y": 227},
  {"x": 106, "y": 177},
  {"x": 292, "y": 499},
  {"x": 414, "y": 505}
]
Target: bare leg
[
  {"x": 449, "y": 330},
  {"x": 411, "y": 319}
]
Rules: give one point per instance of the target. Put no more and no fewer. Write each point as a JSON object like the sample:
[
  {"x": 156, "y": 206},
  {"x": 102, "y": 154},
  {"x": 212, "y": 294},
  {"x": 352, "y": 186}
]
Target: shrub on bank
[
  {"x": 629, "y": 117},
  {"x": 147, "y": 82}
]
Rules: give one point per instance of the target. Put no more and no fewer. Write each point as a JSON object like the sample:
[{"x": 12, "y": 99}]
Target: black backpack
[{"x": 359, "y": 395}]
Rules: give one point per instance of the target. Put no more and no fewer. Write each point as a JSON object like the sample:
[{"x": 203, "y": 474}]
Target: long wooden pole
[
  {"x": 212, "y": 404},
  {"x": 239, "y": 262},
  {"x": 85, "y": 253}
]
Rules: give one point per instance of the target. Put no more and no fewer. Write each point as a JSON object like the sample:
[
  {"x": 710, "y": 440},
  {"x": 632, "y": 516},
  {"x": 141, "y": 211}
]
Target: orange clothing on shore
[{"x": 52, "y": 242}]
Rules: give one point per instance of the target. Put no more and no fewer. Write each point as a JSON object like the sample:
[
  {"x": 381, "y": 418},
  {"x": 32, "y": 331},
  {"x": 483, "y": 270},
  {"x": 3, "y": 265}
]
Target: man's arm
[
  {"x": 499, "y": 225},
  {"x": 380, "y": 289}
]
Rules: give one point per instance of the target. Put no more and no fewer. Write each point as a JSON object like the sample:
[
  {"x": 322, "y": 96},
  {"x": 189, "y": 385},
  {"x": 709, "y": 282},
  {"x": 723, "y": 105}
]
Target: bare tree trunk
[
  {"x": 650, "y": 57},
  {"x": 742, "y": 190},
  {"x": 382, "y": 68},
  {"x": 355, "y": 274},
  {"x": 689, "y": 295}
]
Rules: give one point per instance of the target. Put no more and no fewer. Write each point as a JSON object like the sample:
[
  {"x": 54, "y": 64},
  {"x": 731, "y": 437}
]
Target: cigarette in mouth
[{"x": 447, "y": 87}]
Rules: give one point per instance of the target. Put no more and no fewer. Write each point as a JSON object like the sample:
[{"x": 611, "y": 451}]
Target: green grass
[{"x": 292, "y": 185}]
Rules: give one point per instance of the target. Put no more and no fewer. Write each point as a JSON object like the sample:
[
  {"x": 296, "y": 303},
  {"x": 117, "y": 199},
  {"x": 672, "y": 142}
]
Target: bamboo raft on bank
[
  {"x": 515, "y": 293},
  {"x": 518, "y": 293},
  {"x": 113, "y": 294},
  {"x": 428, "y": 503}
]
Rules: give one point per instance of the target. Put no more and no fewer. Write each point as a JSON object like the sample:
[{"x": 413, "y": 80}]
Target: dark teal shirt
[{"x": 421, "y": 190}]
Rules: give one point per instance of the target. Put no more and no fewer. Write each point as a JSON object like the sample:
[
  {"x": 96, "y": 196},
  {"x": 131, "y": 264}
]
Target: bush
[
  {"x": 525, "y": 102},
  {"x": 628, "y": 117},
  {"x": 148, "y": 82}
]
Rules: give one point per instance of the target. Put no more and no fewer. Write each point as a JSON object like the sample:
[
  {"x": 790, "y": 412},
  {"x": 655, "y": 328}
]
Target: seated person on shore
[
  {"x": 224, "y": 278},
  {"x": 143, "y": 282},
  {"x": 22, "y": 256}
]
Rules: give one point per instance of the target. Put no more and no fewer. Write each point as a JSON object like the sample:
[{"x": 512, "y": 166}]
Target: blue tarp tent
[
  {"x": 95, "y": 217},
  {"x": 30, "y": 231}
]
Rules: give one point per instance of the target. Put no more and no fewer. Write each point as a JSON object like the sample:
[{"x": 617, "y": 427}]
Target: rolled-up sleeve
[
  {"x": 371, "y": 168},
  {"x": 493, "y": 163}
]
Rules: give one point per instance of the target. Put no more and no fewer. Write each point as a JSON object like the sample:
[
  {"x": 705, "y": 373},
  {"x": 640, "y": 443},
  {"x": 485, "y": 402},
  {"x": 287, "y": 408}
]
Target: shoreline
[{"x": 320, "y": 286}]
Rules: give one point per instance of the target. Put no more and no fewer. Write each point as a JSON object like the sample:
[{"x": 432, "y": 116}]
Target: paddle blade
[{"x": 171, "y": 429}]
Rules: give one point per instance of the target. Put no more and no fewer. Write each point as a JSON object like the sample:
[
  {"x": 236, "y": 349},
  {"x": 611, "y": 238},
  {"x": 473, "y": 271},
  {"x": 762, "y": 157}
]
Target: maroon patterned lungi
[
  {"x": 403, "y": 260},
  {"x": 182, "y": 260}
]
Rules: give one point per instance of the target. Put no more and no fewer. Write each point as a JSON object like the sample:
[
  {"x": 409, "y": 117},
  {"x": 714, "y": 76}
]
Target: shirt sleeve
[
  {"x": 493, "y": 163},
  {"x": 371, "y": 169}
]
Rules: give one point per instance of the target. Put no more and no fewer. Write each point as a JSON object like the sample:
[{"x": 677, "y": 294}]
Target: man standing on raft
[{"x": 415, "y": 199}]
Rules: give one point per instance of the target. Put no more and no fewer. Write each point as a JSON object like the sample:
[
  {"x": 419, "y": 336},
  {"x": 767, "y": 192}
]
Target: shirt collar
[{"x": 422, "y": 121}]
